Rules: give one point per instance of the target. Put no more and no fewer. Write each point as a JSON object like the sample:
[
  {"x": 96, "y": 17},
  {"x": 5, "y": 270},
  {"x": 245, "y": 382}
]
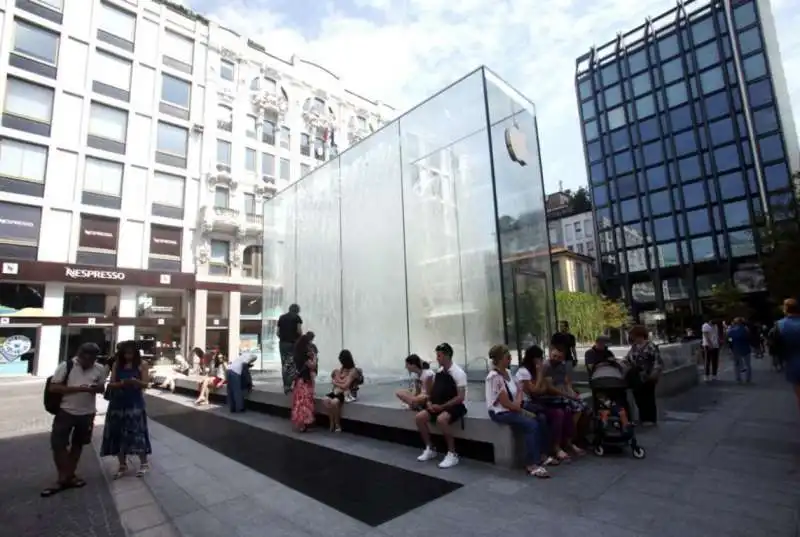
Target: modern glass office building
[
  {"x": 689, "y": 144},
  {"x": 431, "y": 229}
]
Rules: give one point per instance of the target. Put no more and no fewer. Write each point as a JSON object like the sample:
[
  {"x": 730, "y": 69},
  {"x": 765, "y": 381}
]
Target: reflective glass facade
[
  {"x": 684, "y": 151},
  {"x": 426, "y": 231}
]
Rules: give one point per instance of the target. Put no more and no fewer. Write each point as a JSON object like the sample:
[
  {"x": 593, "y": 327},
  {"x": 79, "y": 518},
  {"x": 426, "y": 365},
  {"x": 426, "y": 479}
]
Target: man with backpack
[
  {"x": 445, "y": 406},
  {"x": 71, "y": 396}
]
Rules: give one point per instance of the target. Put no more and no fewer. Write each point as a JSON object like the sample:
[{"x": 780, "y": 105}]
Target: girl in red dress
[{"x": 305, "y": 360}]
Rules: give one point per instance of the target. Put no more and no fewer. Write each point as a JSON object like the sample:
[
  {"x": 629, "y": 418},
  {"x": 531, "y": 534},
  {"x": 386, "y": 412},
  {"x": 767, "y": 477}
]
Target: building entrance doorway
[{"x": 74, "y": 335}]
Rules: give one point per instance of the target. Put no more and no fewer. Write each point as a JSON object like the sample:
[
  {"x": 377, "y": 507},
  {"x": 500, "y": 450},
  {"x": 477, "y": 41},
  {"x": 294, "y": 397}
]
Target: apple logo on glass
[{"x": 517, "y": 145}]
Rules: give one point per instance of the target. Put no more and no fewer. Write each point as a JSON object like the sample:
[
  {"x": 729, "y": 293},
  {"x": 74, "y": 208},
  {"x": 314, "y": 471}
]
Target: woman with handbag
[
  {"x": 125, "y": 432},
  {"x": 504, "y": 397},
  {"x": 646, "y": 366}
]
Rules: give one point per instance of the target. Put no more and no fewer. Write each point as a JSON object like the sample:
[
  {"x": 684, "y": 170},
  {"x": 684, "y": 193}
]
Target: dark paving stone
[
  {"x": 26, "y": 468},
  {"x": 366, "y": 490}
]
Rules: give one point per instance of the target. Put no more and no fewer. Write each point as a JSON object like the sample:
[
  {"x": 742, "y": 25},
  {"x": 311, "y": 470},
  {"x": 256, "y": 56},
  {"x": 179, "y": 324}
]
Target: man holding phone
[{"x": 79, "y": 384}]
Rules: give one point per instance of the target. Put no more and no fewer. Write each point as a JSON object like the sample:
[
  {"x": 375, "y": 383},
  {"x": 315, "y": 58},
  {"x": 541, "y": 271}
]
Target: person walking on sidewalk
[
  {"x": 740, "y": 340},
  {"x": 77, "y": 382},
  {"x": 711, "y": 349},
  {"x": 125, "y": 432},
  {"x": 290, "y": 328},
  {"x": 788, "y": 343}
]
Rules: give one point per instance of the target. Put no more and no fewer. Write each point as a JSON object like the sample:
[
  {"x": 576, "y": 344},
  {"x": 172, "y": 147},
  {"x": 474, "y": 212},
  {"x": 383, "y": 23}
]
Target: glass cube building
[
  {"x": 430, "y": 230},
  {"x": 689, "y": 143}
]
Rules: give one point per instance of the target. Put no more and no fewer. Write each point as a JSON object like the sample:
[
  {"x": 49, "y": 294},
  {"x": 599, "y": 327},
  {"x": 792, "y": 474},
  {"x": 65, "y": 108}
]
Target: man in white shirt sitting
[
  {"x": 74, "y": 422},
  {"x": 445, "y": 406},
  {"x": 711, "y": 349}
]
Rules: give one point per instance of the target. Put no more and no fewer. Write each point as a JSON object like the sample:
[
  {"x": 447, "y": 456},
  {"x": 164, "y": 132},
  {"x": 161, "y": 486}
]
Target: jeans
[
  {"x": 235, "y": 392},
  {"x": 742, "y": 365},
  {"x": 530, "y": 430},
  {"x": 712, "y": 361},
  {"x": 287, "y": 365}
]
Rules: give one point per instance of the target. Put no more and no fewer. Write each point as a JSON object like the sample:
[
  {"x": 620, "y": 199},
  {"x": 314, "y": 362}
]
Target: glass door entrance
[
  {"x": 74, "y": 335},
  {"x": 531, "y": 309}
]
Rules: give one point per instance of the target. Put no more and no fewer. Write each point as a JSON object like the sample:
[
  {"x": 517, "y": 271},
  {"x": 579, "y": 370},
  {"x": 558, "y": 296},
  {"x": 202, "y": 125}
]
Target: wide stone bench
[{"x": 382, "y": 418}]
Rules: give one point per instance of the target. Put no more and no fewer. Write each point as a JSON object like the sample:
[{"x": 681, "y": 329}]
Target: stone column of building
[
  {"x": 198, "y": 320},
  {"x": 49, "y": 345},
  {"x": 126, "y": 308},
  {"x": 234, "y": 323}
]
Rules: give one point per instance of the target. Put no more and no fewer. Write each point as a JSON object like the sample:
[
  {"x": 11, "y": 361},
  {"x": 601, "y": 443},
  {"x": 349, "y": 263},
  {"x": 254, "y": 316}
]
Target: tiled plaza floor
[{"x": 725, "y": 461}]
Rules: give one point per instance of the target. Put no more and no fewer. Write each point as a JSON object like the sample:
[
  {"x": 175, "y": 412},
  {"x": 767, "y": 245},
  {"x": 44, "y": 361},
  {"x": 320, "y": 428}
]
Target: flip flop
[
  {"x": 77, "y": 483},
  {"x": 52, "y": 491}
]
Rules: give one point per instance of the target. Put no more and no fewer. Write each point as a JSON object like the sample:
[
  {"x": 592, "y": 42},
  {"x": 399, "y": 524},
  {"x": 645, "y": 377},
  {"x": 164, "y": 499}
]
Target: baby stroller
[{"x": 611, "y": 419}]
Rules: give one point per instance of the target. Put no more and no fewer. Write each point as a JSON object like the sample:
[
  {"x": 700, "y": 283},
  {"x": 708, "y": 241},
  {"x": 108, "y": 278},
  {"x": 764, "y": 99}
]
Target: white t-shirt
[
  {"x": 710, "y": 336},
  {"x": 424, "y": 377},
  {"x": 522, "y": 375},
  {"x": 495, "y": 384},
  {"x": 79, "y": 404},
  {"x": 459, "y": 377},
  {"x": 238, "y": 364}
]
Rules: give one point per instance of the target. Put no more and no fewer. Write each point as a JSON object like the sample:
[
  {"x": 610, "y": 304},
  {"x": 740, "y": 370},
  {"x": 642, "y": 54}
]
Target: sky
[{"x": 401, "y": 51}]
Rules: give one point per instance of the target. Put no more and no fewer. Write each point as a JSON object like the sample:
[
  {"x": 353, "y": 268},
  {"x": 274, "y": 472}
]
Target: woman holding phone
[{"x": 125, "y": 431}]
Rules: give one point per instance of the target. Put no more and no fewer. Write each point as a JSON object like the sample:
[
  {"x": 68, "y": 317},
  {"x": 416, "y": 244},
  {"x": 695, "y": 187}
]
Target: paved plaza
[{"x": 725, "y": 461}]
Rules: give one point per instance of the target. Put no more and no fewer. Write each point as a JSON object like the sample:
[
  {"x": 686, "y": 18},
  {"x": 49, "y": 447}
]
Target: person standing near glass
[{"x": 290, "y": 328}]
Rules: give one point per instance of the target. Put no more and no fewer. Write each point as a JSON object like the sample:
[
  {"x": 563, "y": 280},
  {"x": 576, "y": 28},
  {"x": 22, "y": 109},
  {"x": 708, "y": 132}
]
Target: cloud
[{"x": 400, "y": 51}]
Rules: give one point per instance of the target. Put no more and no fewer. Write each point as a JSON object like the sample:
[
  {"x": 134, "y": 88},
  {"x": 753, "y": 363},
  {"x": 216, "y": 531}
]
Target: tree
[
  {"x": 590, "y": 315},
  {"x": 780, "y": 243},
  {"x": 581, "y": 202},
  {"x": 729, "y": 301}
]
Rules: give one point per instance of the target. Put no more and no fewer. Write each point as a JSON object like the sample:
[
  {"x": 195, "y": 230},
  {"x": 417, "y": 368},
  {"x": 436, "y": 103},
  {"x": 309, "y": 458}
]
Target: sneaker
[
  {"x": 350, "y": 399},
  {"x": 427, "y": 455},
  {"x": 706, "y": 378},
  {"x": 450, "y": 460}
]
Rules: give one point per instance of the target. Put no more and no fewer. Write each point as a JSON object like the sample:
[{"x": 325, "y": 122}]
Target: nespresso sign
[{"x": 89, "y": 274}]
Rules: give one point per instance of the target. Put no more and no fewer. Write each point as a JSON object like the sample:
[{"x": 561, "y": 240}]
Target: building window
[
  {"x": 165, "y": 254},
  {"x": 224, "y": 154},
  {"x": 219, "y": 258},
  {"x": 712, "y": 80},
  {"x": 744, "y": 15},
  {"x": 268, "y": 167},
  {"x": 35, "y": 49},
  {"x": 249, "y": 204},
  {"x": 180, "y": 51},
  {"x": 252, "y": 125},
  {"x": 225, "y": 118},
  {"x": 305, "y": 144},
  {"x": 168, "y": 194},
  {"x": 250, "y": 160},
  {"x": 117, "y": 27},
  {"x": 754, "y": 67},
  {"x": 51, "y": 10},
  {"x": 227, "y": 70},
  {"x": 97, "y": 244},
  {"x": 112, "y": 76},
  {"x": 305, "y": 169},
  {"x": 285, "y": 169},
  {"x": 319, "y": 149},
  {"x": 108, "y": 128},
  {"x": 222, "y": 197},
  {"x": 102, "y": 183},
  {"x": 171, "y": 145},
  {"x": 22, "y": 167},
  {"x": 252, "y": 266},
  {"x": 19, "y": 231},
  {"x": 286, "y": 137},
  {"x": 176, "y": 95},
  {"x": 28, "y": 107},
  {"x": 268, "y": 132}
]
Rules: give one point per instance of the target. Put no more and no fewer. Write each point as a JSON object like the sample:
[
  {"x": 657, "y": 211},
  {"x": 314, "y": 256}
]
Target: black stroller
[{"x": 612, "y": 427}]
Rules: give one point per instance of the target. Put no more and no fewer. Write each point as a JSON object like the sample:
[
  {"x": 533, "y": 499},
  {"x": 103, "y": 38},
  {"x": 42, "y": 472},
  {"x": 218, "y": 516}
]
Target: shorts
[
  {"x": 71, "y": 430},
  {"x": 337, "y": 396},
  {"x": 456, "y": 413},
  {"x": 217, "y": 382}
]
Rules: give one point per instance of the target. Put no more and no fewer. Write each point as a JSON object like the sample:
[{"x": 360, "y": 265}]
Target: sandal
[
  {"x": 77, "y": 483},
  {"x": 550, "y": 461},
  {"x": 562, "y": 456},
  {"x": 121, "y": 471},
  {"x": 578, "y": 452},
  {"x": 52, "y": 491},
  {"x": 539, "y": 472},
  {"x": 143, "y": 469}
]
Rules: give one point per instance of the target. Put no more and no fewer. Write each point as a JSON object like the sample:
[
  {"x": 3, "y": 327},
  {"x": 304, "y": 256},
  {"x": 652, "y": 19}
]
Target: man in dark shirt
[
  {"x": 598, "y": 353},
  {"x": 567, "y": 342},
  {"x": 290, "y": 328}
]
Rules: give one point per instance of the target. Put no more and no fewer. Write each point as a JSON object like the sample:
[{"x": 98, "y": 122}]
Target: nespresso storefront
[{"x": 48, "y": 309}]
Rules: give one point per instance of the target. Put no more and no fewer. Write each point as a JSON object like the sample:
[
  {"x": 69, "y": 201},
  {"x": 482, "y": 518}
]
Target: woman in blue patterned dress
[{"x": 125, "y": 431}]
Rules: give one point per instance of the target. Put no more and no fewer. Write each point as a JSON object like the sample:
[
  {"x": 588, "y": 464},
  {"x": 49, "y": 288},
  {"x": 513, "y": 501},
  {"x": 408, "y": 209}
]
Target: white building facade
[
  {"x": 575, "y": 232},
  {"x": 137, "y": 144}
]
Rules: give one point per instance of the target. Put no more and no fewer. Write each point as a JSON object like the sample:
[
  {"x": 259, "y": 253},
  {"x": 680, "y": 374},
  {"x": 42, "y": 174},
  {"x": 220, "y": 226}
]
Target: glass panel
[
  {"x": 736, "y": 214},
  {"x": 676, "y": 94},
  {"x": 656, "y": 177},
  {"x": 732, "y": 185},
  {"x": 776, "y": 177},
  {"x": 694, "y": 195},
  {"x": 754, "y": 67},
  {"x": 721, "y": 131},
  {"x": 765, "y": 120},
  {"x": 760, "y": 93},
  {"x": 712, "y": 80},
  {"x": 672, "y": 70},
  {"x": 742, "y": 243},
  {"x": 703, "y": 249},
  {"x": 699, "y": 222},
  {"x": 771, "y": 148},
  {"x": 749, "y": 41},
  {"x": 707, "y": 55},
  {"x": 744, "y": 15},
  {"x": 645, "y": 106},
  {"x": 664, "y": 229}
]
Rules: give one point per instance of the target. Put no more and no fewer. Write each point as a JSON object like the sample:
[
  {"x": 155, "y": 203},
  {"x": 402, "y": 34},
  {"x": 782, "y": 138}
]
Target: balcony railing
[
  {"x": 251, "y": 272},
  {"x": 218, "y": 269},
  {"x": 226, "y": 212},
  {"x": 255, "y": 219}
]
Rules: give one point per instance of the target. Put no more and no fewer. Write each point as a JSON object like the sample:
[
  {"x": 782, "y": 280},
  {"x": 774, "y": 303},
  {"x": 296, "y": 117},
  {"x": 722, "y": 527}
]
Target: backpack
[
  {"x": 444, "y": 388},
  {"x": 52, "y": 401}
]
